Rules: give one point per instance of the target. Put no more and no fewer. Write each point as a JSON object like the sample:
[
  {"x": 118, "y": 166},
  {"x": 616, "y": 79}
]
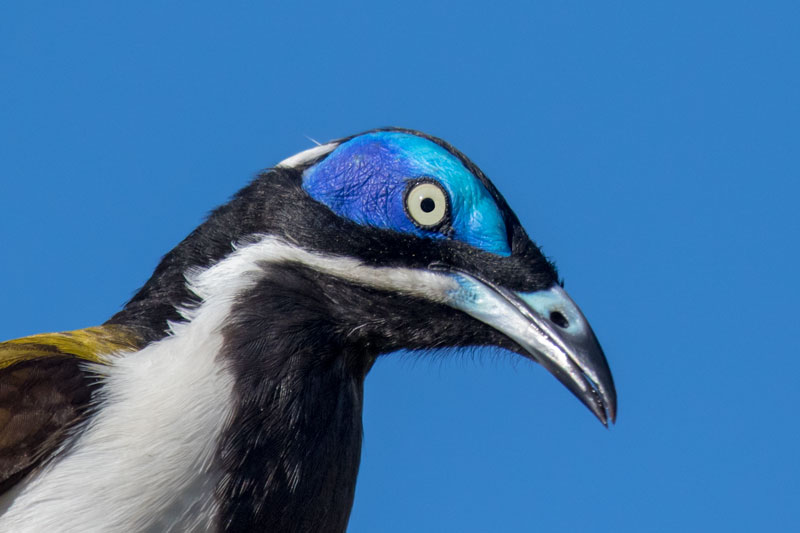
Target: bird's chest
[{"x": 290, "y": 464}]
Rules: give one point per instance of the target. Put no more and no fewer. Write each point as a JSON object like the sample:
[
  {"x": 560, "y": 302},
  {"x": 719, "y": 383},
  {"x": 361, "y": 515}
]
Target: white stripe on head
[{"x": 245, "y": 266}]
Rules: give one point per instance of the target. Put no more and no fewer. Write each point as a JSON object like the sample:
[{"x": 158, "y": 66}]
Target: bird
[{"x": 227, "y": 394}]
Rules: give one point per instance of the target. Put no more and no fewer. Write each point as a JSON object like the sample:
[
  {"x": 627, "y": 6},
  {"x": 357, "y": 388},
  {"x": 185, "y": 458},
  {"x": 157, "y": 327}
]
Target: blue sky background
[{"x": 651, "y": 148}]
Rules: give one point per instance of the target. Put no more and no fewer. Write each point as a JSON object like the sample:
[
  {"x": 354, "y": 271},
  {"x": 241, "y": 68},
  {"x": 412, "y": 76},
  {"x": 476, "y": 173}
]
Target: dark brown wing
[
  {"x": 40, "y": 400},
  {"x": 45, "y": 390}
]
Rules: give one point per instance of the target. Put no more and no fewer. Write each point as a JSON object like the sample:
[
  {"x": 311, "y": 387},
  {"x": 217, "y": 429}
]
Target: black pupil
[{"x": 427, "y": 205}]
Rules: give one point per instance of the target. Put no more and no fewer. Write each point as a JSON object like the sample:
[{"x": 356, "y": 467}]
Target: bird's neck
[
  {"x": 160, "y": 300},
  {"x": 290, "y": 455}
]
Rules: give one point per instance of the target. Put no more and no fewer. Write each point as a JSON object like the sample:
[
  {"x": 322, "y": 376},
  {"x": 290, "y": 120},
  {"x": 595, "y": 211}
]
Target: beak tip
[
  {"x": 603, "y": 403},
  {"x": 609, "y": 406}
]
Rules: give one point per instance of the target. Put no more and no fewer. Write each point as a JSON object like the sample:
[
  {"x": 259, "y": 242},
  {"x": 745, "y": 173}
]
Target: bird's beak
[{"x": 551, "y": 330}]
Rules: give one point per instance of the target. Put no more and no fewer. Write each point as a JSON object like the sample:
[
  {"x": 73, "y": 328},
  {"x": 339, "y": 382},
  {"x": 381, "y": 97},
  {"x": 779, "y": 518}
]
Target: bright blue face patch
[{"x": 366, "y": 180}]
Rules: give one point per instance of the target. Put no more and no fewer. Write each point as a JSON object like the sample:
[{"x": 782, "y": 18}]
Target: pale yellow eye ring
[{"x": 426, "y": 204}]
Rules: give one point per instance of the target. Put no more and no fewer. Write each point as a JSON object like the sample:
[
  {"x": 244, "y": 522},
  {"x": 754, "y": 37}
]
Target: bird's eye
[{"x": 426, "y": 204}]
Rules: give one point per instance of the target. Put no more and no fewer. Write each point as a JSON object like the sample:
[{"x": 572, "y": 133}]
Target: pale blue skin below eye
[{"x": 365, "y": 180}]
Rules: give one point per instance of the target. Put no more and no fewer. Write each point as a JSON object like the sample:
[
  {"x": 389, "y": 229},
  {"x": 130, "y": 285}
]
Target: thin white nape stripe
[
  {"x": 245, "y": 266},
  {"x": 307, "y": 155}
]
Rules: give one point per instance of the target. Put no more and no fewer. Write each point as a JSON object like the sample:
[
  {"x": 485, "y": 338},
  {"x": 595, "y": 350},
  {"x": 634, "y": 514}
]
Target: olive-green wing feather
[{"x": 45, "y": 390}]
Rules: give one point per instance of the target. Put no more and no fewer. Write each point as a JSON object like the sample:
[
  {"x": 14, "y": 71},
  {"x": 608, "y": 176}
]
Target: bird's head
[
  {"x": 432, "y": 256},
  {"x": 386, "y": 240}
]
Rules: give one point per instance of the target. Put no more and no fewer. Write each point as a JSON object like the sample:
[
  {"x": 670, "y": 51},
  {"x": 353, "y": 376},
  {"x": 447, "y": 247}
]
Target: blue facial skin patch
[{"x": 365, "y": 179}]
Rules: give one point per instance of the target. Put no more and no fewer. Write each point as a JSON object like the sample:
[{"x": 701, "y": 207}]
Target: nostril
[{"x": 559, "y": 320}]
